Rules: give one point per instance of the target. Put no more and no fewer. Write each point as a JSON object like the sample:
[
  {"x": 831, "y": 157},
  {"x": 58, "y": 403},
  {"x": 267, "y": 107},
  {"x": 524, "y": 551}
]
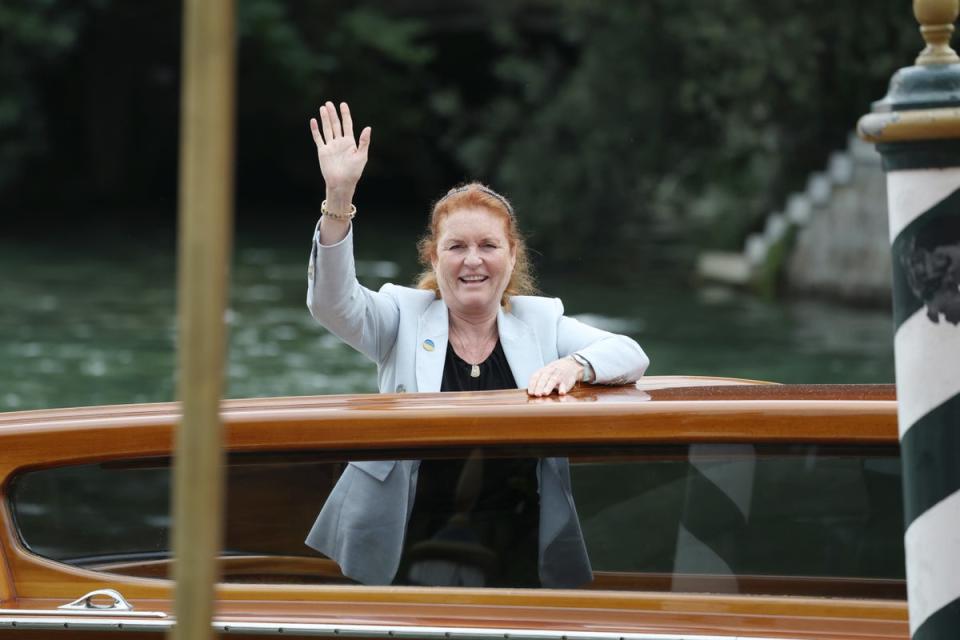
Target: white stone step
[{"x": 729, "y": 268}]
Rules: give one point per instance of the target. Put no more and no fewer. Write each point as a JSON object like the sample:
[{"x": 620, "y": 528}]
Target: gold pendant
[{"x": 475, "y": 371}]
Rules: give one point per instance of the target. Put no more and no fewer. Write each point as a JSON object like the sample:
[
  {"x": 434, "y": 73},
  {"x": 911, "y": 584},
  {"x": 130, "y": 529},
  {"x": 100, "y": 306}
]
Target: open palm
[{"x": 341, "y": 157}]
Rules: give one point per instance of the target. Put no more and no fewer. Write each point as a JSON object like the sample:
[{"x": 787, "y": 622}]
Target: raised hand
[{"x": 342, "y": 158}]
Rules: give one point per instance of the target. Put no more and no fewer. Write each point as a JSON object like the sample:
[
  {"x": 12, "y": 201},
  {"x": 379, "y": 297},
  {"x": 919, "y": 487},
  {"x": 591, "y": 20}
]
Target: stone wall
[
  {"x": 830, "y": 240},
  {"x": 843, "y": 249}
]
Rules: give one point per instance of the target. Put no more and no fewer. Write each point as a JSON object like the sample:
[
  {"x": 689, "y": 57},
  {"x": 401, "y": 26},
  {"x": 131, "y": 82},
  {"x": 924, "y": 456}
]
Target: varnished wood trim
[
  {"x": 232, "y": 566},
  {"x": 760, "y": 421},
  {"x": 7, "y": 592},
  {"x": 649, "y": 389},
  {"x": 41, "y": 579},
  {"x": 328, "y": 571},
  {"x": 809, "y": 586}
]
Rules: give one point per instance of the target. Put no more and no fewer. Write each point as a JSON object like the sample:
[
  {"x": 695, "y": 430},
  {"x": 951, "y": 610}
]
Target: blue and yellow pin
[{"x": 428, "y": 345}]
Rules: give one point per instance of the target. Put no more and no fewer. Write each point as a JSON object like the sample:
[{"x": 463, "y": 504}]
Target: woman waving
[{"x": 470, "y": 323}]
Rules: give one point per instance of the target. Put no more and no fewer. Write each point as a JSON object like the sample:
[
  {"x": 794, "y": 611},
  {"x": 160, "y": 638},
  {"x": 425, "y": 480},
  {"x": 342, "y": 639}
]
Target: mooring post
[{"x": 916, "y": 128}]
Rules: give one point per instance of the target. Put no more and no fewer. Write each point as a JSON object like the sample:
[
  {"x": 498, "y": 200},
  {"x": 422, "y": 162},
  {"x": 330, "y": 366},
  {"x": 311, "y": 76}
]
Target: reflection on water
[{"x": 85, "y": 325}]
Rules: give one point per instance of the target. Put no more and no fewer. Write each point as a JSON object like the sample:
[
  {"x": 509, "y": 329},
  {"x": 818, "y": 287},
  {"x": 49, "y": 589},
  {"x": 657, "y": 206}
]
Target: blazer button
[{"x": 401, "y": 388}]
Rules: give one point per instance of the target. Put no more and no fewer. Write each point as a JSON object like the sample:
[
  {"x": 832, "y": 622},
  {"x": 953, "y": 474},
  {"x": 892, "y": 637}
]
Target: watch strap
[{"x": 588, "y": 373}]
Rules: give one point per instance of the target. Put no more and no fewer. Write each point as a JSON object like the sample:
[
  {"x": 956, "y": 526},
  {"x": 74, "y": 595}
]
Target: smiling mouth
[{"x": 473, "y": 279}]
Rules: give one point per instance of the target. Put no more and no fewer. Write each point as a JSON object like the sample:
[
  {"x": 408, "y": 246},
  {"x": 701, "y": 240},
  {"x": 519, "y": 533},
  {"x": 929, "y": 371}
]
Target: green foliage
[
  {"x": 34, "y": 34},
  {"x": 342, "y": 37},
  {"x": 294, "y": 56},
  {"x": 767, "y": 282},
  {"x": 396, "y": 39},
  {"x": 280, "y": 43},
  {"x": 676, "y": 117},
  {"x": 291, "y": 56},
  {"x": 620, "y": 124}
]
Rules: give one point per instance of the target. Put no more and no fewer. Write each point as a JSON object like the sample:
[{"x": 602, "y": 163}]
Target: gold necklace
[{"x": 460, "y": 345}]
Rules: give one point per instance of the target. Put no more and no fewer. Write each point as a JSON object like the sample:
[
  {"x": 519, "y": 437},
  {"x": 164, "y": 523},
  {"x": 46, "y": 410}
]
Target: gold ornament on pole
[
  {"x": 936, "y": 18},
  {"x": 922, "y": 102}
]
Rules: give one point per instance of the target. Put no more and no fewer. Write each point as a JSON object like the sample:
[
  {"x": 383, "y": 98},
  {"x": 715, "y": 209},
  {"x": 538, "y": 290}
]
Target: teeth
[{"x": 473, "y": 278}]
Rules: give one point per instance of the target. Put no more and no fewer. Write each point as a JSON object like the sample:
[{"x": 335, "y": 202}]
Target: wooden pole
[{"x": 205, "y": 220}]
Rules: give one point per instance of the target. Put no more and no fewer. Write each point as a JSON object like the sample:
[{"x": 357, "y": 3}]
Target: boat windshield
[{"x": 719, "y": 518}]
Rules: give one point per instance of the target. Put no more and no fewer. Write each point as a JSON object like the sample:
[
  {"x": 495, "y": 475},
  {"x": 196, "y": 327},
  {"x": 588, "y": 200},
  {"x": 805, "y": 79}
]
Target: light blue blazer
[{"x": 363, "y": 523}]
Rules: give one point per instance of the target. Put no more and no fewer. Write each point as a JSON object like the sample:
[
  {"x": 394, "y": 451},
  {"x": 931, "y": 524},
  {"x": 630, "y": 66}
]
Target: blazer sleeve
[
  {"x": 366, "y": 320},
  {"x": 615, "y": 359}
]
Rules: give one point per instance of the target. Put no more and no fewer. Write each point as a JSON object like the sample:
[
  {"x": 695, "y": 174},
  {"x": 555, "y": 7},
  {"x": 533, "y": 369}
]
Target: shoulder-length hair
[{"x": 474, "y": 195}]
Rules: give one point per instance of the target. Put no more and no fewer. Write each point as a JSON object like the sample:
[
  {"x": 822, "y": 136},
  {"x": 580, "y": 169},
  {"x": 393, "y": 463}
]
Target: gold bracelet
[{"x": 338, "y": 216}]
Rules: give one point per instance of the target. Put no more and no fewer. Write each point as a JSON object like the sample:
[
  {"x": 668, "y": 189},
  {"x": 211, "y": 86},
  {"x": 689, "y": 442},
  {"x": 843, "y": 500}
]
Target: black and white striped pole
[{"x": 917, "y": 131}]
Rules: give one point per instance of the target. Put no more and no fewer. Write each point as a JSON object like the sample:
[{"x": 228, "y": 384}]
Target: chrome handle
[{"x": 86, "y": 603}]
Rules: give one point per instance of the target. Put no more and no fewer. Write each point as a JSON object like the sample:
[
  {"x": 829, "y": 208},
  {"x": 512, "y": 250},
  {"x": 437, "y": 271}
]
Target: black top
[
  {"x": 475, "y": 522},
  {"x": 494, "y": 372}
]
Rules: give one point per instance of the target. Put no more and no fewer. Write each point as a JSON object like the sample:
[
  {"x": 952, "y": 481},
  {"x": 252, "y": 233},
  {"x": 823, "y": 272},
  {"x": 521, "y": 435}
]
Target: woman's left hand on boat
[{"x": 561, "y": 375}]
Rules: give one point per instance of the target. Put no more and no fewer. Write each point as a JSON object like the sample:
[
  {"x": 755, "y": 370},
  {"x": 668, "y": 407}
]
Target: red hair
[{"x": 474, "y": 195}]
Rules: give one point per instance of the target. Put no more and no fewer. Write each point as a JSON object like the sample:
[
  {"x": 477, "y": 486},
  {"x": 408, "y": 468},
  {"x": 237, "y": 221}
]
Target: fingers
[
  {"x": 315, "y": 130},
  {"x": 534, "y": 381},
  {"x": 559, "y": 375},
  {"x": 332, "y": 129},
  {"x": 325, "y": 122},
  {"x": 347, "y": 120},
  {"x": 544, "y": 386},
  {"x": 364, "y": 143},
  {"x": 334, "y": 119},
  {"x": 548, "y": 384}
]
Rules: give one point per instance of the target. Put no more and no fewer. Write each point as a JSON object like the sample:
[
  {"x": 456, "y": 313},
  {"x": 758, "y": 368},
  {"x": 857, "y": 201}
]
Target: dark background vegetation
[{"x": 630, "y": 125}]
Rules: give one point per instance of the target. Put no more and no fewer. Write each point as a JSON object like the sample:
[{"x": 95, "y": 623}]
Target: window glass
[{"x": 801, "y": 519}]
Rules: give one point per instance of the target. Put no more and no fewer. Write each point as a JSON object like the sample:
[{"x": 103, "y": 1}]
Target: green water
[{"x": 87, "y": 323}]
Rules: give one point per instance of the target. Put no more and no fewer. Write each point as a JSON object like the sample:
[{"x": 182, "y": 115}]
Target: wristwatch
[{"x": 588, "y": 374}]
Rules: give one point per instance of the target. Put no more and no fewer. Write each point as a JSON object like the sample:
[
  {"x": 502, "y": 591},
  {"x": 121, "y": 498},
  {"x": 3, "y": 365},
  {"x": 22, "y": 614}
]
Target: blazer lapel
[
  {"x": 432, "y": 346},
  {"x": 520, "y": 346}
]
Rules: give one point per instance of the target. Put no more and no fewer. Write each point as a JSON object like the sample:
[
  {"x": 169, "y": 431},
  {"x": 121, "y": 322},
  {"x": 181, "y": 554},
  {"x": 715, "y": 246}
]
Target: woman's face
[{"x": 474, "y": 260}]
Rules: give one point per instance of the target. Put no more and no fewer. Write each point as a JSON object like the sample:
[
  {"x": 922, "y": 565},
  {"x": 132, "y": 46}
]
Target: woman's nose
[{"x": 473, "y": 257}]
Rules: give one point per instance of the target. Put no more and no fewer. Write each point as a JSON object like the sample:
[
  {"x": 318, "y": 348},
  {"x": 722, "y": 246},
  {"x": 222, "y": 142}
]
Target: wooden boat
[{"x": 812, "y": 470}]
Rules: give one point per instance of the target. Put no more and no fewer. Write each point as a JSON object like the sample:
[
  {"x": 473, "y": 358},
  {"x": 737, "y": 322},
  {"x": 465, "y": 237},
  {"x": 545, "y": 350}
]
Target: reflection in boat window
[{"x": 805, "y": 519}]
